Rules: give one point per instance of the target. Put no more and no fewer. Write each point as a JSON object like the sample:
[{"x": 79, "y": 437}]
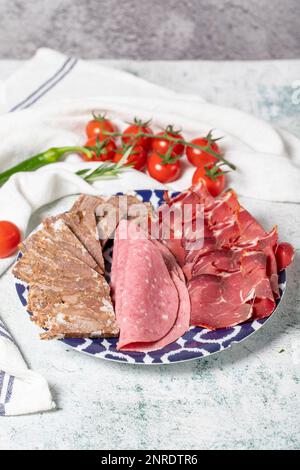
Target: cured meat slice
[
  {"x": 42, "y": 299},
  {"x": 86, "y": 202},
  {"x": 224, "y": 286},
  {"x": 220, "y": 301},
  {"x": 59, "y": 237},
  {"x": 216, "y": 262},
  {"x": 146, "y": 298},
  {"x": 94, "y": 230},
  {"x": 151, "y": 299},
  {"x": 80, "y": 321},
  {"x": 81, "y": 219},
  {"x": 223, "y": 208},
  {"x": 253, "y": 237},
  {"x": 66, "y": 295},
  {"x": 116, "y": 208},
  {"x": 182, "y": 322},
  {"x": 209, "y": 309},
  {"x": 58, "y": 271},
  {"x": 256, "y": 281},
  {"x": 176, "y": 225}
]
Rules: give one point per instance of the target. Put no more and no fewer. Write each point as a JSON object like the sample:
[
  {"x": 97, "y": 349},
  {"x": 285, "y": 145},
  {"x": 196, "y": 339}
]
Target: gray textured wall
[{"x": 157, "y": 29}]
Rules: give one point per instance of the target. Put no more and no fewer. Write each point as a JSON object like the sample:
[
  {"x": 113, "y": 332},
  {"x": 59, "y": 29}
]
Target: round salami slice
[{"x": 147, "y": 291}]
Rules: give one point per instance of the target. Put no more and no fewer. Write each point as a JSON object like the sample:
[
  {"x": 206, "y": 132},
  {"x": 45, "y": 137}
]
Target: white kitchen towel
[
  {"x": 21, "y": 390},
  {"x": 63, "y": 91},
  {"x": 50, "y": 76}
]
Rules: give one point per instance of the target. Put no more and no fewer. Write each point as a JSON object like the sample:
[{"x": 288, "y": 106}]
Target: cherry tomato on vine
[
  {"x": 98, "y": 125},
  {"x": 284, "y": 255},
  {"x": 102, "y": 149},
  {"x": 215, "y": 183},
  {"x": 137, "y": 127},
  {"x": 163, "y": 172},
  {"x": 201, "y": 158},
  {"x": 137, "y": 157},
  {"x": 162, "y": 145},
  {"x": 10, "y": 237}
]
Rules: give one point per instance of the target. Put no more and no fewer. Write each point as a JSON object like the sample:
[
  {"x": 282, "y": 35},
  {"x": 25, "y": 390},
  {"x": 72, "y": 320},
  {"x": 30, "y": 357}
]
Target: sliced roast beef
[
  {"x": 113, "y": 209},
  {"x": 81, "y": 219},
  {"x": 59, "y": 237},
  {"x": 80, "y": 321},
  {"x": 94, "y": 219},
  {"x": 66, "y": 295}
]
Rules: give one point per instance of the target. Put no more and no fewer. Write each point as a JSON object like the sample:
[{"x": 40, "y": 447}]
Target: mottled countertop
[{"x": 246, "y": 397}]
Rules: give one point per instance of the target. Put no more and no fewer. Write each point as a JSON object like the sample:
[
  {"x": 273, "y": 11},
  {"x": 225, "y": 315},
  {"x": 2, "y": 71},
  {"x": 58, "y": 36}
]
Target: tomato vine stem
[{"x": 174, "y": 140}]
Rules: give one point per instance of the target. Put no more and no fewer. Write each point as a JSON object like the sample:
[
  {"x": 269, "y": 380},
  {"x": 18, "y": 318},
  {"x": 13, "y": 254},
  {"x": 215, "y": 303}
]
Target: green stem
[
  {"x": 37, "y": 161},
  {"x": 174, "y": 140}
]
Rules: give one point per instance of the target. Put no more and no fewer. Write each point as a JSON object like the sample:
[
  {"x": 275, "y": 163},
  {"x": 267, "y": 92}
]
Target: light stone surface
[
  {"x": 156, "y": 29},
  {"x": 246, "y": 397}
]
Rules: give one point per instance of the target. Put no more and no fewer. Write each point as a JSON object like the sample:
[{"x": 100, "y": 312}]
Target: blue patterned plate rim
[{"x": 194, "y": 344}]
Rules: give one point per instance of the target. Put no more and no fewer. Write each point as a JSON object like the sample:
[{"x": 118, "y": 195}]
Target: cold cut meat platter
[{"x": 151, "y": 277}]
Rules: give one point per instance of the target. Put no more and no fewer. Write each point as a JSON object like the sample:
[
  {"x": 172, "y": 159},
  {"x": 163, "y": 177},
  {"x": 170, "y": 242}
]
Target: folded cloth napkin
[
  {"x": 63, "y": 91},
  {"x": 21, "y": 390}
]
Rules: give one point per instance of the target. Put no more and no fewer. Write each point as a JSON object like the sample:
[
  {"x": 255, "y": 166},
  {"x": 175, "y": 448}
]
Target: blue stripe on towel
[
  {"x": 9, "y": 389},
  {"x": 32, "y": 95},
  {"x": 5, "y": 335},
  {"x": 2, "y": 375},
  {"x": 4, "y": 332},
  {"x": 64, "y": 70}
]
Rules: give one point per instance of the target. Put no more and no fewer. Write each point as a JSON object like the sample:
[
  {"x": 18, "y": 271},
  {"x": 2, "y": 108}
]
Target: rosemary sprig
[{"x": 106, "y": 169}]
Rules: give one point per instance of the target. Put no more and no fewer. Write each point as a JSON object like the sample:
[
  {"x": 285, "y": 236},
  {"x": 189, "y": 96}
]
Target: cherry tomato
[
  {"x": 135, "y": 128},
  {"x": 214, "y": 186},
  {"x": 10, "y": 237},
  {"x": 201, "y": 158},
  {"x": 96, "y": 126},
  {"x": 101, "y": 149},
  {"x": 165, "y": 173},
  {"x": 162, "y": 145},
  {"x": 284, "y": 255},
  {"x": 137, "y": 157}
]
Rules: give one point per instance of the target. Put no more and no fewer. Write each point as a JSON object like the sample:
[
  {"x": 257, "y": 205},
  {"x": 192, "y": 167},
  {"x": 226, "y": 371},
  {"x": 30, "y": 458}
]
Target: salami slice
[{"x": 151, "y": 300}]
